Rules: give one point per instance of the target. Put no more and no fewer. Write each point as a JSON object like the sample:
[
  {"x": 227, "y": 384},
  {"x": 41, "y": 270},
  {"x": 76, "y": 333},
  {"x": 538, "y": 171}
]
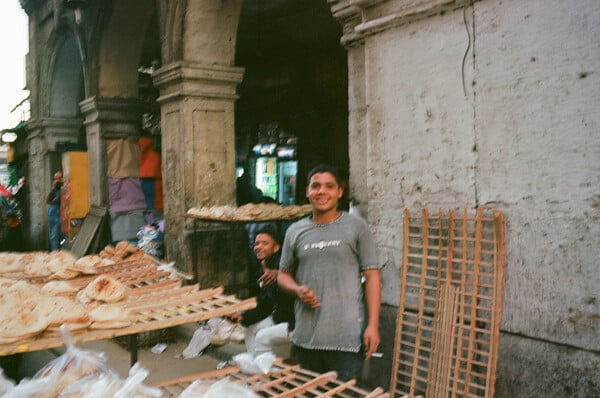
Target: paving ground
[{"x": 165, "y": 366}]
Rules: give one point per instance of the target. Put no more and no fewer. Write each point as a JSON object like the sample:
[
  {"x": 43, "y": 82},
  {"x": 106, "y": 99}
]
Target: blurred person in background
[{"x": 53, "y": 200}]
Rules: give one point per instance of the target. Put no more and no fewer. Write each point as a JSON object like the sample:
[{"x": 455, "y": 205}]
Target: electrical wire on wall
[{"x": 469, "y": 44}]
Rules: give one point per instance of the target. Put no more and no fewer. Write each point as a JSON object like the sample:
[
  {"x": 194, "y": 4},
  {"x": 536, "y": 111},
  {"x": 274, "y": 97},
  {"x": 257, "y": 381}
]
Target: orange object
[{"x": 149, "y": 159}]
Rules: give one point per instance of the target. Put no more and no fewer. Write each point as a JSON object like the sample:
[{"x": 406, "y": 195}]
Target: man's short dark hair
[
  {"x": 324, "y": 168},
  {"x": 272, "y": 231}
]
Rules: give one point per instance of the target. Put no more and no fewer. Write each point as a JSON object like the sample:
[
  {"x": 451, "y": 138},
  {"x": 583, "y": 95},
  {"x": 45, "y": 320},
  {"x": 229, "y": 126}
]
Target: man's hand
[
  {"x": 370, "y": 341},
  {"x": 308, "y": 297},
  {"x": 269, "y": 276}
]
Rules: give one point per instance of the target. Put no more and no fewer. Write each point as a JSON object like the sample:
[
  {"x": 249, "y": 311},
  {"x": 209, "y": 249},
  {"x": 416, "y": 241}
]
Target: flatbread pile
[
  {"x": 25, "y": 312},
  {"x": 28, "y": 310},
  {"x": 123, "y": 250},
  {"x": 57, "y": 265},
  {"x": 21, "y": 319},
  {"x": 251, "y": 212},
  {"x": 90, "y": 264},
  {"x": 39, "y": 264},
  {"x": 110, "y": 316}
]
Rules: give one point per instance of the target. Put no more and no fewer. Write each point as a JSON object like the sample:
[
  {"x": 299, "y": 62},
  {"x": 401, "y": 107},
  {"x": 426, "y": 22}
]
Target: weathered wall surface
[{"x": 524, "y": 138}]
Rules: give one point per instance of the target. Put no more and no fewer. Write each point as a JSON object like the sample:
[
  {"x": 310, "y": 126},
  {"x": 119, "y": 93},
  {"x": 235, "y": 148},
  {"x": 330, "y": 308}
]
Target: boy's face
[
  {"x": 323, "y": 192},
  {"x": 265, "y": 246}
]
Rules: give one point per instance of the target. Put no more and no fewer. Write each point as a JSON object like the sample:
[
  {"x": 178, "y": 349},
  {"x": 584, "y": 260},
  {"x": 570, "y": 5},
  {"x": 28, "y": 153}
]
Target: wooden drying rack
[
  {"x": 448, "y": 323},
  {"x": 156, "y": 301},
  {"x": 284, "y": 381}
]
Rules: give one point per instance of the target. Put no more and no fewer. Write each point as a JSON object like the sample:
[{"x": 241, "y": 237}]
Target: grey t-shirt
[{"x": 329, "y": 258}]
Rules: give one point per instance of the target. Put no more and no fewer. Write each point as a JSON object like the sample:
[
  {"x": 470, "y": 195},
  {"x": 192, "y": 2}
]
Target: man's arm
[
  {"x": 290, "y": 286},
  {"x": 371, "y": 337}
]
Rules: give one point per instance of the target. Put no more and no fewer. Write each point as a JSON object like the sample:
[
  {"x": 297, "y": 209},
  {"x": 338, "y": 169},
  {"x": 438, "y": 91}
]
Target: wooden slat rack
[
  {"x": 283, "y": 381},
  {"x": 448, "y": 323}
]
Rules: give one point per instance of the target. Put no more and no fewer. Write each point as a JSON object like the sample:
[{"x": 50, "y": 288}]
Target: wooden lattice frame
[
  {"x": 285, "y": 381},
  {"x": 462, "y": 253}
]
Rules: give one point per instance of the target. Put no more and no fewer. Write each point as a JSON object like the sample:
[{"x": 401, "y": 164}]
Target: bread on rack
[{"x": 251, "y": 212}]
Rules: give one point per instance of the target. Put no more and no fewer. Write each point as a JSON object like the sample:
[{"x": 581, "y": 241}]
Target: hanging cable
[{"x": 464, "y": 60}]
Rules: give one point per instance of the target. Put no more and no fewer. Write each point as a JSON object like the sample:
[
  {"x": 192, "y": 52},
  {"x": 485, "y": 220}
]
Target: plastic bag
[
  {"x": 6, "y": 384},
  {"x": 261, "y": 364},
  {"x": 96, "y": 386},
  {"x": 133, "y": 386},
  {"x": 220, "y": 389},
  {"x": 223, "y": 332},
  {"x": 201, "y": 338},
  {"x": 110, "y": 385},
  {"x": 238, "y": 334},
  {"x": 32, "y": 388},
  {"x": 73, "y": 365},
  {"x": 151, "y": 240}
]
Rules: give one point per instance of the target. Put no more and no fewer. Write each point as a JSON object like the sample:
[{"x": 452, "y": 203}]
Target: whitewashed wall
[{"x": 524, "y": 138}]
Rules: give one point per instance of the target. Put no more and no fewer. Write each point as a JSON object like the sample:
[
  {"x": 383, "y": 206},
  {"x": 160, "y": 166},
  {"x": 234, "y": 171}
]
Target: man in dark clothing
[{"x": 272, "y": 321}]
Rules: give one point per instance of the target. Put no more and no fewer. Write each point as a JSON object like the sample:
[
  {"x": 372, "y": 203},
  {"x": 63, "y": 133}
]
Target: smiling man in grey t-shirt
[{"x": 323, "y": 260}]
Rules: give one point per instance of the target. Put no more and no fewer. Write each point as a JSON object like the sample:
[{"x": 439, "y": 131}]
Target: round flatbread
[
  {"x": 61, "y": 310},
  {"x": 105, "y": 288},
  {"x": 58, "y": 288},
  {"x": 27, "y": 319},
  {"x": 110, "y": 316}
]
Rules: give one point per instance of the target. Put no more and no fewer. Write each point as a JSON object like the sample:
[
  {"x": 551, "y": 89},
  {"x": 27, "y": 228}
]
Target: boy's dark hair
[
  {"x": 324, "y": 168},
  {"x": 270, "y": 230}
]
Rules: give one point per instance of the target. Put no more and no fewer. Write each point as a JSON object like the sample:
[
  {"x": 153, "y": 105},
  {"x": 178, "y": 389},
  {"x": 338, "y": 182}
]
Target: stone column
[
  {"x": 198, "y": 144},
  {"x": 107, "y": 118},
  {"x": 43, "y": 162},
  {"x": 349, "y": 16}
]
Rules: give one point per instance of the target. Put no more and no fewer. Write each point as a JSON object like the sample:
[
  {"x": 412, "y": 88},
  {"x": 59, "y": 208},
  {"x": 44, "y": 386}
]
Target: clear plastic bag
[
  {"x": 110, "y": 385},
  {"x": 73, "y": 365},
  {"x": 6, "y": 384},
  {"x": 223, "y": 332},
  {"x": 134, "y": 387},
  {"x": 261, "y": 364},
  {"x": 201, "y": 338},
  {"x": 220, "y": 389}
]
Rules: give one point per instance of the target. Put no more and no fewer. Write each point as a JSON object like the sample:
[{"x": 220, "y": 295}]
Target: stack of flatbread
[
  {"x": 10, "y": 262},
  {"x": 123, "y": 250},
  {"x": 110, "y": 316},
  {"x": 90, "y": 264},
  {"x": 26, "y": 312},
  {"x": 47, "y": 264},
  {"x": 251, "y": 212}
]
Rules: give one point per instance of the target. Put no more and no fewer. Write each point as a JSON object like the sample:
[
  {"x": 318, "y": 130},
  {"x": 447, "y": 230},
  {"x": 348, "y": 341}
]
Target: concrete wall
[{"x": 517, "y": 127}]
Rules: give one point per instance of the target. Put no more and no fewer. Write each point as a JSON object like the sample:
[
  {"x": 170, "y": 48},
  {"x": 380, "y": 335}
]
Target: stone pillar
[
  {"x": 44, "y": 161},
  {"x": 198, "y": 144},
  {"x": 107, "y": 118},
  {"x": 349, "y": 16}
]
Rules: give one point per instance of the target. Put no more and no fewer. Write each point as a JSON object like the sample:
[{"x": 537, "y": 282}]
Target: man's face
[
  {"x": 323, "y": 192},
  {"x": 58, "y": 177},
  {"x": 265, "y": 246}
]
